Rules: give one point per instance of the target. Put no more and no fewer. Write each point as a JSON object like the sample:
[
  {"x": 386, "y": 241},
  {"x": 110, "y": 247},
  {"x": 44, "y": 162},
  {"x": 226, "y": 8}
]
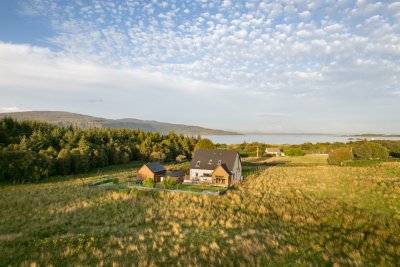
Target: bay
[{"x": 290, "y": 139}]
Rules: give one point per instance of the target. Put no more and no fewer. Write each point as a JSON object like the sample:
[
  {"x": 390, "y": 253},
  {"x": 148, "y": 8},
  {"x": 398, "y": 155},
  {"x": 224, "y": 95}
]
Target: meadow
[{"x": 295, "y": 215}]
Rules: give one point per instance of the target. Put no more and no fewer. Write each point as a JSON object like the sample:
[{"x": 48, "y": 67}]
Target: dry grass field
[
  {"x": 297, "y": 216},
  {"x": 308, "y": 159}
]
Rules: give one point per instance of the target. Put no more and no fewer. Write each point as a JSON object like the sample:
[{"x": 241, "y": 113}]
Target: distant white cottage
[
  {"x": 216, "y": 166},
  {"x": 274, "y": 151}
]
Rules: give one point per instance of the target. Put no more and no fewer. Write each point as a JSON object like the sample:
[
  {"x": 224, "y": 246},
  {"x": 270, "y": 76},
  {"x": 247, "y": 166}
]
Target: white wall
[{"x": 199, "y": 172}]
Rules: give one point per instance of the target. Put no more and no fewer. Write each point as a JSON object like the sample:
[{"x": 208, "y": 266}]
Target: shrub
[
  {"x": 340, "y": 156},
  {"x": 371, "y": 150},
  {"x": 245, "y": 154},
  {"x": 149, "y": 182},
  {"x": 293, "y": 152},
  {"x": 157, "y": 156},
  {"x": 115, "y": 181},
  {"x": 392, "y": 145},
  {"x": 169, "y": 183},
  {"x": 180, "y": 158},
  {"x": 205, "y": 144}
]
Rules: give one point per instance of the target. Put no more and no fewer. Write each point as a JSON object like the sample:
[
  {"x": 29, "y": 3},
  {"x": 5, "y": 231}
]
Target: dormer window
[
  {"x": 219, "y": 162},
  {"x": 198, "y": 163},
  {"x": 210, "y": 162}
]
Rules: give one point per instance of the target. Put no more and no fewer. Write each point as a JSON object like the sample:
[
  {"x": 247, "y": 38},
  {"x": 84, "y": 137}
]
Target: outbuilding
[{"x": 153, "y": 170}]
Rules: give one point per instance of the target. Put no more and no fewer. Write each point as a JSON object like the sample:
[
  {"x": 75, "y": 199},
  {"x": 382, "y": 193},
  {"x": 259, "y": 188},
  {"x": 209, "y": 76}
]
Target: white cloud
[
  {"x": 307, "y": 50},
  {"x": 12, "y": 109}
]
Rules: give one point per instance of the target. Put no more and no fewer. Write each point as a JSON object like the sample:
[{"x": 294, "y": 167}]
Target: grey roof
[
  {"x": 175, "y": 174},
  {"x": 209, "y": 158},
  {"x": 156, "y": 167}
]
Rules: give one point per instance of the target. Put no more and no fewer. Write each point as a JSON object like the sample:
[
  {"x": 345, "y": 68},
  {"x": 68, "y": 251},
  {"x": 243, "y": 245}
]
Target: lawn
[
  {"x": 285, "y": 216},
  {"x": 200, "y": 188},
  {"x": 181, "y": 187}
]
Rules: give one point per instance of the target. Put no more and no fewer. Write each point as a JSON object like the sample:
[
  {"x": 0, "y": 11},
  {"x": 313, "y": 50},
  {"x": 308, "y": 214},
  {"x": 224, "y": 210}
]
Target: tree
[
  {"x": 17, "y": 166},
  {"x": 157, "y": 156},
  {"x": 293, "y": 152},
  {"x": 180, "y": 158},
  {"x": 371, "y": 150},
  {"x": 39, "y": 150},
  {"x": 169, "y": 183},
  {"x": 64, "y": 161},
  {"x": 340, "y": 156},
  {"x": 204, "y": 144}
]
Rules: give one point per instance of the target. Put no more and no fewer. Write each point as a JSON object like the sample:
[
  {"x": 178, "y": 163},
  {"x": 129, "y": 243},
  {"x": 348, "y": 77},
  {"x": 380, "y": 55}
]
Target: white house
[
  {"x": 274, "y": 151},
  {"x": 205, "y": 161}
]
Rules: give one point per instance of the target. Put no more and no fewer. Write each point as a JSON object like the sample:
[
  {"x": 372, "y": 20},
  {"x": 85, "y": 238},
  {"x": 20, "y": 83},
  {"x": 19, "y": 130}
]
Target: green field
[{"x": 296, "y": 215}]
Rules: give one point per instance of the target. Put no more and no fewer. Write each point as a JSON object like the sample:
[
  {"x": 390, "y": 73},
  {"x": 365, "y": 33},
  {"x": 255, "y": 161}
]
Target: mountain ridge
[{"x": 64, "y": 118}]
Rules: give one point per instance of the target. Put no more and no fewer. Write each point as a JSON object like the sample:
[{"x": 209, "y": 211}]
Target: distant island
[
  {"x": 63, "y": 118},
  {"x": 373, "y": 135}
]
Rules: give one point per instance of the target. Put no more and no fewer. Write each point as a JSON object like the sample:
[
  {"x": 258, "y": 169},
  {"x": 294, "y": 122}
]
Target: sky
[{"x": 265, "y": 66}]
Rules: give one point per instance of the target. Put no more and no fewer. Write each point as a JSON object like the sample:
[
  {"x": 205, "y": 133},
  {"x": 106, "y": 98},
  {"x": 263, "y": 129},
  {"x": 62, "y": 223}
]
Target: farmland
[{"x": 294, "y": 215}]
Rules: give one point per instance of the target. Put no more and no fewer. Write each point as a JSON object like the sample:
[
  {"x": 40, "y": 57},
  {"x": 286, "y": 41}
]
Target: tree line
[
  {"x": 31, "y": 150},
  {"x": 361, "y": 149}
]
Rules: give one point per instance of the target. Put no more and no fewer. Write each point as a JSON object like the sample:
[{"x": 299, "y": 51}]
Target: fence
[{"x": 140, "y": 187}]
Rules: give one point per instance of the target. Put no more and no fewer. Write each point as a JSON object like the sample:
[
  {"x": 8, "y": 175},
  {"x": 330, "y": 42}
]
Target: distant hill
[{"x": 84, "y": 121}]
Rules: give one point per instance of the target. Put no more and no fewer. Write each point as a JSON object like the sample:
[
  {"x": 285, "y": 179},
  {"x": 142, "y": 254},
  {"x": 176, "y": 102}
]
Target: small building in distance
[
  {"x": 274, "y": 151},
  {"x": 219, "y": 167},
  {"x": 153, "y": 170},
  {"x": 178, "y": 175}
]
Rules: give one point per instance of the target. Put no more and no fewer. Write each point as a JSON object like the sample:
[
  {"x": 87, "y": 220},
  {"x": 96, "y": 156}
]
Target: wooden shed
[{"x": 153, "y": 170}]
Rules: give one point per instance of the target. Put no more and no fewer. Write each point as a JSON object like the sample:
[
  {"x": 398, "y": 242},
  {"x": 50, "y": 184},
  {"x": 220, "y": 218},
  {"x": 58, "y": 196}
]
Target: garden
[{"x": 168, "y": 184}]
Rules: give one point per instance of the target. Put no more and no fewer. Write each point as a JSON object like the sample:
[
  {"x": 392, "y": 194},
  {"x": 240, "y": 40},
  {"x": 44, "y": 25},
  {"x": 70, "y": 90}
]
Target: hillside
[
  {"x": 286, "y": 216},
  {"x": 85, "y": 121}
]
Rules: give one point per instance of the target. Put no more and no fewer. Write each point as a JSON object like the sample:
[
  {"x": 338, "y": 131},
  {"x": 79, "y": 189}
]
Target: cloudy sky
[{"x": 272, "y": 66}]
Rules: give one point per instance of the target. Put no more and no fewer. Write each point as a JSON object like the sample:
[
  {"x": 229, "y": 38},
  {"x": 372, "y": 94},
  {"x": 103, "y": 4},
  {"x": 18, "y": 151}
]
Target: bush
[
  {"x": 115, "y": 181},
  {"x": 169, "y": 183},
  {"x": 157, "y": 156},
  {"x": 293, "y": 152},
  {"x": 392, "y": 145},
  {"x": 371, "y": 150},
  {"x": 180, "y": 158},
  {"x": 245, "y": 154},
  {"x": 149, "y": 182},
  {"x": 204, "y": 143},
  {"x": 340, "y": 156}
]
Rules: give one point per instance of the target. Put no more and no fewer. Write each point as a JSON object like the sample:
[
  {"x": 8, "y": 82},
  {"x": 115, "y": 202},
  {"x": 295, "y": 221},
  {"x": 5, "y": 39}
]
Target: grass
[
  {"x": 294, "y": 216},
  {"x": 306, "y": 160},
  {"x": 364, "y": 163},
  {"x": 199, "y": 188},
  {"x": 182, "y": 187}
]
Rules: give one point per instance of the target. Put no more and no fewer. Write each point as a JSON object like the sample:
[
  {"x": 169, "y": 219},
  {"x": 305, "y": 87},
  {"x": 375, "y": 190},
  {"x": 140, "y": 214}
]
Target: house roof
[
  {"x": 155, "y": 167},
  {"x": 175, "y": 174},
  {"x": 223, "y": 165},
  {"x": 273, "y": 149},
  {"x": 209, "y": 159}
]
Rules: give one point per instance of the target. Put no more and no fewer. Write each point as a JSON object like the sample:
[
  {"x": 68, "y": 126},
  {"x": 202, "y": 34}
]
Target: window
[
  {"x": 198, "y": 163},
  {"x": 219, "y": 180},
  {"x": 219, "y": 162},
  {"x": 210, "y": 162}
]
